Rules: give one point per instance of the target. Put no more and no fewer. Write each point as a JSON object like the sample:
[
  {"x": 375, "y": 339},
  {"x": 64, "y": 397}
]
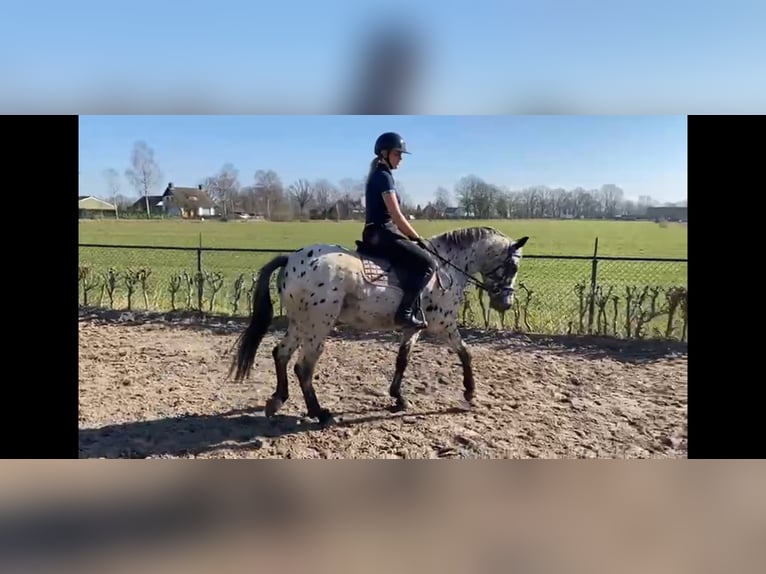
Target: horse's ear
[{"x": 516, "y": 245}]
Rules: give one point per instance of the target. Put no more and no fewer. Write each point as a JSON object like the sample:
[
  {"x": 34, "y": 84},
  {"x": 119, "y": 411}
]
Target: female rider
[{"x": 389, "y": 233}]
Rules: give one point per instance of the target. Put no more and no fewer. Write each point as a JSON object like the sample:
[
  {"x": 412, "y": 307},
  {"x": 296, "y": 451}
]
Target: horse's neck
[{"x": 469, "y": 259}]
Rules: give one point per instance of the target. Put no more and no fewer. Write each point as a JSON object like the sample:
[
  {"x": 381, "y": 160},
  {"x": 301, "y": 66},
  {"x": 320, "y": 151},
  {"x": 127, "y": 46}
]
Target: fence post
[
  {"x": 199, "y": 274},
  {"x": 593, "y": 281}
]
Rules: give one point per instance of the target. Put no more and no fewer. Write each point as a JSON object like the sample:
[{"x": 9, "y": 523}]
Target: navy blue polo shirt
[{"x": 380, "y": 182}]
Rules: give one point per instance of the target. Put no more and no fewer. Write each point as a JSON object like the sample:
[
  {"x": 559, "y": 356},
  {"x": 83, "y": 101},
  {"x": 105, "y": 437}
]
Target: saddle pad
[{"x": 373, "y": 272}]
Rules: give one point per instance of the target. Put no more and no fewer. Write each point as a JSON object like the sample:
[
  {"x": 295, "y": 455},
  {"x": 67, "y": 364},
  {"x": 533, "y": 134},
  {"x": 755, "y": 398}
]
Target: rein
[{"x": 480, "y": 284}]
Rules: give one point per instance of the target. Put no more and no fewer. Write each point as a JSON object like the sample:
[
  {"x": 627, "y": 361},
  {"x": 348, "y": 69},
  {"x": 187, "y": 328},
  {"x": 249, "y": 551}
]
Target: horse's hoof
[
  {"x": 272, "y": 406},
  {"x": 467, "y": 405},
  {"x": 469, "y": 396},
  {"x": 400, "y": 405},
  {"x": 324, "y": 416}
]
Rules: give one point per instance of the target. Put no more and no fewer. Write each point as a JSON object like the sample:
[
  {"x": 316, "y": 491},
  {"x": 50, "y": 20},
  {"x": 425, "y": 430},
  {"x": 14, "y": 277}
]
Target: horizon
[{"x": 643, "y": 155}]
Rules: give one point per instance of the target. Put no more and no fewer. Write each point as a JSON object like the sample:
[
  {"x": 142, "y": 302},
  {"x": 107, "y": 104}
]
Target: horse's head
[{"x": 499, "y": 274}]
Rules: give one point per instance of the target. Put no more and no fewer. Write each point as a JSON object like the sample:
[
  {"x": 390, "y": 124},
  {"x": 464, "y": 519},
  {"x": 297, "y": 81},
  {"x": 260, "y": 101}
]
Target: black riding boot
[{"x": 406, "y": 314}]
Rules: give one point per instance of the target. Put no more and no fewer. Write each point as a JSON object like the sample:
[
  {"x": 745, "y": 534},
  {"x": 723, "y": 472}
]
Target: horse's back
[{"x": 320, "y": 264}]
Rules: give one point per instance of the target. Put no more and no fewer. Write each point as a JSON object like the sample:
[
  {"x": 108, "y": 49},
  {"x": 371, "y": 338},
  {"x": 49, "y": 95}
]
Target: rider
[{"x": 387, "y": 230}]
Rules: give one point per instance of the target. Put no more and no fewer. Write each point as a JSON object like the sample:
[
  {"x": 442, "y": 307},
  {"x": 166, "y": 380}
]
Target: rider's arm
[{"x": 397, "y": 216}]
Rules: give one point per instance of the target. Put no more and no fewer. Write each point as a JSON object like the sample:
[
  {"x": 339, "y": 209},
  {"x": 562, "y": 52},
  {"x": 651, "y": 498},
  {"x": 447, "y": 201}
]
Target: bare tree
[
  {"x": 443, "y": 199},
  {"x": 144, "y": 173},
  {"x": 406, "y": 203},
  {"x": 224, "y": 186},
  {"x": 476, "y": 196},
  {"x": 302, "y": 193},
  {"x": 113, "y": 185},
  {"x": 351, "y": 188},
  {"x": 611, "y": 197},
  {"x": 325, "y": 194},
  {"x": 269, "y": 190}
]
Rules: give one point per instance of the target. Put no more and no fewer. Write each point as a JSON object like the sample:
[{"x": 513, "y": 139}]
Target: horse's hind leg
[
  {"x": 282, "y": 352},
  {"x": 312, "y": 346},
  {"x": 304, "y": 370},
  {"x": 407, "y": 341}
]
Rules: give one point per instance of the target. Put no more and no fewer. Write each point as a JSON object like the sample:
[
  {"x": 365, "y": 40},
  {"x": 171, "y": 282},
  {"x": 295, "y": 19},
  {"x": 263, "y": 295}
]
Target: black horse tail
[{"x": 262, "y": 314}]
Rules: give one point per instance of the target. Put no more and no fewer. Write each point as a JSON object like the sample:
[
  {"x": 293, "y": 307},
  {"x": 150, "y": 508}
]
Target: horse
[{"x": 323, "y": 285}]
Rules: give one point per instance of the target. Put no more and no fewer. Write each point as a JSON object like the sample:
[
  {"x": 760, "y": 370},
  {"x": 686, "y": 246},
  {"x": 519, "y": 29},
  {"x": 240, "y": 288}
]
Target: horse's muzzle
[{"x": 502, "y": 300}]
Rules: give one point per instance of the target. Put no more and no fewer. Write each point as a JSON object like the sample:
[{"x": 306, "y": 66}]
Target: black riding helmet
[{"x": 390, "y": 141}]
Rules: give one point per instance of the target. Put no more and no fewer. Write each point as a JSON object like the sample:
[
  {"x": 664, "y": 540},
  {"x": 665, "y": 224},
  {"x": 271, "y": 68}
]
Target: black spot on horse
[
  {"x": 310, "y": 253},
  {"x": 301, "y": 261},
  {"x": 293, "y": 268},
  {"x": 334, "y": 288},
  {"x": 321, "y": 300},
  {"x": 303, "y": 273},
  {"x": 320, "y": 285}
]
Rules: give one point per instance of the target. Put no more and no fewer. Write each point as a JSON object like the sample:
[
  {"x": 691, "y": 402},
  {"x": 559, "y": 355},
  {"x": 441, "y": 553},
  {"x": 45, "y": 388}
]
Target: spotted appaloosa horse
[{"x": 324, "y": 284}]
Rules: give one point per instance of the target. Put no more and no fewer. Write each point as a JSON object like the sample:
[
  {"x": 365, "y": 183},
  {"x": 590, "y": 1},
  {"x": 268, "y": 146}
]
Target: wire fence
[{"x": 626, "y": 297}]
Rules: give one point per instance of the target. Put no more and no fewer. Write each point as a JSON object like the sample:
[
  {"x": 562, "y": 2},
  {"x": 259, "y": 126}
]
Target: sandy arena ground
[{"x": 155, "y": 386}]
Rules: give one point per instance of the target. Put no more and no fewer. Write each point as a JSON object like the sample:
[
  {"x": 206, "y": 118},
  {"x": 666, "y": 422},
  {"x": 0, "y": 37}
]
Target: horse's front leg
[
  {"x": 455, "y": 341},
  {"x": 406, "y": 342}
]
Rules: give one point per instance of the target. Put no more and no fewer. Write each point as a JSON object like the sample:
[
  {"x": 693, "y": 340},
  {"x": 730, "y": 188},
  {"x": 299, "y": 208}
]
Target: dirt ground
[{"x": 155, "y": 386}]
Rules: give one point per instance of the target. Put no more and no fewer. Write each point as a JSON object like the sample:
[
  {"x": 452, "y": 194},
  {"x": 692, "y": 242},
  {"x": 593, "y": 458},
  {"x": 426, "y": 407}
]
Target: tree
[
  {"x": 476, "y": 196},
  {"x": 325, "y": 195},
  {"x": 406, "y": 204},
  {"x": 443, "y": 199},
  {"x": 351, "y": 188},
  {"x": 113, "y": 185},
  {"x": 611, "y": 197},
  {"x": 269, "y": 191},
  {"x": 302, "y": 193},
  {"x": 224, "y": 186},
  {"x": 144, "y": 174}
]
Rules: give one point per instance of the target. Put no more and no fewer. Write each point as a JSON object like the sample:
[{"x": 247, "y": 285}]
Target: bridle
[{"x": 479, "y": 284}]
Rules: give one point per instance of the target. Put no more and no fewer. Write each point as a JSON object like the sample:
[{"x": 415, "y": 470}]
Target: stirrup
[{"x": 411, "y": 320}]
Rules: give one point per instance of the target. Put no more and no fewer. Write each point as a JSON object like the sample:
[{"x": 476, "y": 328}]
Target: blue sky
[
  {"x": 292, "y": 56},
  {"x": 645, "y": 155}
]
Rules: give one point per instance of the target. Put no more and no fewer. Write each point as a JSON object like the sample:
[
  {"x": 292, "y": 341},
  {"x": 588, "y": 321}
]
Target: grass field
[{"x": 555, "y": 304}]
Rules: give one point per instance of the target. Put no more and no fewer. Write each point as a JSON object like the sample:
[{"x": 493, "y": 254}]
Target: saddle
[{"x": 376, "y": 268}]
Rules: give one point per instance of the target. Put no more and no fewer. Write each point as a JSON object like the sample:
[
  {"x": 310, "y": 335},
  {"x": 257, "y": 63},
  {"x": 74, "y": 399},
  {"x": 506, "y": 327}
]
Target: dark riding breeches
[{"x": 403, "y": 253}]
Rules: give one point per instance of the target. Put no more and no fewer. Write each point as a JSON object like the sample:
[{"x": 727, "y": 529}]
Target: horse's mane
[{"x": 466, "y": 236}]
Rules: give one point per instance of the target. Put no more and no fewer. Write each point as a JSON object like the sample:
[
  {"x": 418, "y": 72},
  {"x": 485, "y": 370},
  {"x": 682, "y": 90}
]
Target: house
[
  {"x": 155, "y": 205},
  {"x": 454, "y": 213},
  {"x": 187, "y": 202},
  {"x": 90, "y": 206}
]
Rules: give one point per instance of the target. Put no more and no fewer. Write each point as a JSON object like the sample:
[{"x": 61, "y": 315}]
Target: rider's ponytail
[{"x": 373, "y": 166}]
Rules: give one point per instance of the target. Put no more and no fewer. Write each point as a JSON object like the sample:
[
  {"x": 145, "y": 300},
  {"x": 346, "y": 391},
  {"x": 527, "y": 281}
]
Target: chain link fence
[
  {"x": 621, "y": 297},
  {"x": 615, "y": 296}
]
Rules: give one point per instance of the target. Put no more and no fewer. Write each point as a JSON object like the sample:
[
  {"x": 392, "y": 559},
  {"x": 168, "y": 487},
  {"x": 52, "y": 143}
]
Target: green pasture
[{"x": 553, "y": 294}]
